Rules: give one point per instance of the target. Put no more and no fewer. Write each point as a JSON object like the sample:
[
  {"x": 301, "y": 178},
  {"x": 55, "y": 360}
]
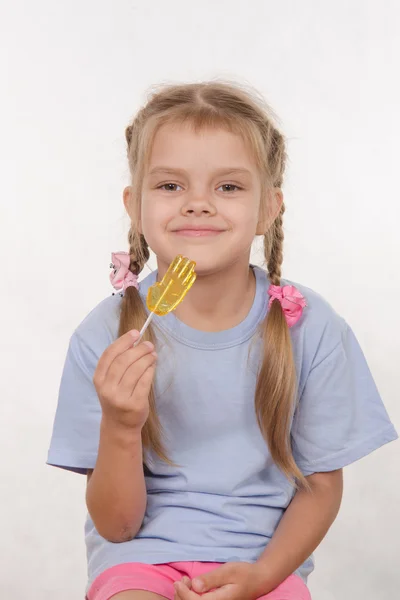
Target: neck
[{"x": 219, "y": 301}]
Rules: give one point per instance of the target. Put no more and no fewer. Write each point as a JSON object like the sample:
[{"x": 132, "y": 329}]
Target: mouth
[
  {"x": 197, "y": 232},
  {"x": 200, "y": 231}
]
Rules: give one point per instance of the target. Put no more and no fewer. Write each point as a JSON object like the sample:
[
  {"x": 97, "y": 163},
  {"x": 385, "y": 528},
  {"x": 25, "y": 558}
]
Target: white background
[{"x": 74, "y": 75}]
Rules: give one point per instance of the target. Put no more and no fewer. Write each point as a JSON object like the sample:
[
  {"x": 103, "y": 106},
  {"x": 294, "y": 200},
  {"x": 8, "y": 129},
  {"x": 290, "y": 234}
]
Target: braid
[
  {"x": 128, "y": 135},
  {"x": 276, "y": 384},
  {"x": 133, "y": 315},
  {"x": 277, "y": 156},
  {"x": 273, "y": 246},
  {"x": 138, "y": 251}
]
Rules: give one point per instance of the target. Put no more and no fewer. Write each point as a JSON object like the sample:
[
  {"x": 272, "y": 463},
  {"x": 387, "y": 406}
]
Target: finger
[
  {"x": 213, "y": 579},
  {"x": 122, "y": 344},
  {"x": 186, "y": 582},
  {"x": 134, "y": 374},
  {"x": 129, "y": 361},
  {"x": 184, "y": 593},
  {"x": 177, "y": 596},
  {"x": 143, "y": 385},
  {"x": 226, "y": 592}
]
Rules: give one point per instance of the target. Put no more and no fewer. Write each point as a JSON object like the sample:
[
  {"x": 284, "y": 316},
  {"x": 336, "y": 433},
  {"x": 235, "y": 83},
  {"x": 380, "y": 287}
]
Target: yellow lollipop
[{"x": 165, "y": 295}]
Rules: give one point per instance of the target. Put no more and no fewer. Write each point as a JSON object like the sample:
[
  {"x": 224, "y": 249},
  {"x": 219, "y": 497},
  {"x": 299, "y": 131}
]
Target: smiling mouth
[{"x": 198, "y": 232}]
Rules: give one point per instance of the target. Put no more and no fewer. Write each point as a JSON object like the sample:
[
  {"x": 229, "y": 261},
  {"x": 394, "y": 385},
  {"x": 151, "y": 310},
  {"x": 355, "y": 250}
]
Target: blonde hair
[{"x": 215, "y": 104}]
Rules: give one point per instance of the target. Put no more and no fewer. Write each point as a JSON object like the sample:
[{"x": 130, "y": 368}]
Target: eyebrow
[{"x": 222, "y": 171}]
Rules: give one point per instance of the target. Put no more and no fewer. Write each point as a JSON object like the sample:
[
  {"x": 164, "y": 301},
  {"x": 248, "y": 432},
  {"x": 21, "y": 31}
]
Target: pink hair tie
[
  {"x": 291, "y": 300},
  {"x": 121, "y": 277}
]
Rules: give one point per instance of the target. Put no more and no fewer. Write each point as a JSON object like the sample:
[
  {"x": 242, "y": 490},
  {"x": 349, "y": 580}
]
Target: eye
[
  {"x": 229, "y": 187},
  {"x": 169, "y": 187}
]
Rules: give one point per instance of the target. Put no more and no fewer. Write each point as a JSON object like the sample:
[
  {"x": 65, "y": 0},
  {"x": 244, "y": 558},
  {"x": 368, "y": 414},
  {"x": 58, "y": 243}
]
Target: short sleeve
[
  {"x": 75, "y": 437},
  {"x": 340, "y": 416}
]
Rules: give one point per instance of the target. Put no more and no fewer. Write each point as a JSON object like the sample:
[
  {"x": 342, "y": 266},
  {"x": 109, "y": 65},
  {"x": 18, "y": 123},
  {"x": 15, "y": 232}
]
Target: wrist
[
  {"x": 262, "y": 579},
  {"x": 120, "y": 434}
]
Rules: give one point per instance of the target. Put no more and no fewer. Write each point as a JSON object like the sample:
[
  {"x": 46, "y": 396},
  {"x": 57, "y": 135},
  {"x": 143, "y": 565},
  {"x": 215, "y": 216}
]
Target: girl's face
[{"x": 201, "y": 198}]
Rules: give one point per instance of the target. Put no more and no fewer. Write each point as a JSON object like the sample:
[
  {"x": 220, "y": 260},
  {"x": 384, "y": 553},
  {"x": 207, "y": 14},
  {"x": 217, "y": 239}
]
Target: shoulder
[
  {"x": 319, "y": 312},
  {"x": 321, "y": 328},
  {"x": 97, "y": 330},
  {"x": 319, "y": 317}
]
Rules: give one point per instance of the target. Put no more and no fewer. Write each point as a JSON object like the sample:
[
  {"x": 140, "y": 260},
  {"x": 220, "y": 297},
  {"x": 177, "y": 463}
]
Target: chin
[
  {"x": 209, "y": 263},
  {"x": 209, "y": 258}
]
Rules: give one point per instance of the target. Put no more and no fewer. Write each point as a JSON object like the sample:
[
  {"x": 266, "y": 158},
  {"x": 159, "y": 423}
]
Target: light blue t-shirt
[{"x": 225, "y": 499}]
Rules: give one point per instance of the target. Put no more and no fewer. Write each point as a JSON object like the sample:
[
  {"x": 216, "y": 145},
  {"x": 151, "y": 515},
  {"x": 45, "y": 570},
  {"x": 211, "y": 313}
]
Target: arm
[
  {"x": 301, "y": 529},
  {"x": 303, "y": 526},
  {"x": 116, "y": 491}
]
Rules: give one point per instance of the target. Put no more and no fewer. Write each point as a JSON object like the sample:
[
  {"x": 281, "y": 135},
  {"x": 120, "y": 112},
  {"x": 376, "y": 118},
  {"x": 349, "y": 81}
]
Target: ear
[
  {"x": 270, "y": 206},
  {"x": 131, "y": 206},
  {"x": 126, "y": 194}
]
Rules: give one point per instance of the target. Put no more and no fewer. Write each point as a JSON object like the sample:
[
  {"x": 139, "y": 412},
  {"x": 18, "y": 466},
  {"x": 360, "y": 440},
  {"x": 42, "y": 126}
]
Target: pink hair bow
[
  {"x": 292, "y": 301},
  {"x": 121, "y": 277}
]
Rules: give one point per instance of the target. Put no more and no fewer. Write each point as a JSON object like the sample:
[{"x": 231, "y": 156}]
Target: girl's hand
[
  {"x": 186, "y": 582},
  {"x": 232, "y": 581},
  {"x": 123, "y": 378}
]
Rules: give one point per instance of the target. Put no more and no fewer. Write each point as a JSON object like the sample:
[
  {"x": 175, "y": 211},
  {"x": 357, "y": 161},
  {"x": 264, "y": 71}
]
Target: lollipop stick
[{"x": 145, "y": 326}]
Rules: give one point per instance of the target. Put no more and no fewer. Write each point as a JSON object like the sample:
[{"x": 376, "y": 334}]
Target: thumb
[{"x": 214, "y": 579}]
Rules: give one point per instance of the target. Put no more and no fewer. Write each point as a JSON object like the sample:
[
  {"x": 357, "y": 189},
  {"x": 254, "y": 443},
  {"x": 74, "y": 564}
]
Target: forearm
[
  {"x": 301, "y": 529},
  {"x": 116, "y": 492}
]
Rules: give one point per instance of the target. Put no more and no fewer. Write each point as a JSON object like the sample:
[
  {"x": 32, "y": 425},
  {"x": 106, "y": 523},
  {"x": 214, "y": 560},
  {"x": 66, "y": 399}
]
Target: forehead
[{"x": 180, "y": 145}]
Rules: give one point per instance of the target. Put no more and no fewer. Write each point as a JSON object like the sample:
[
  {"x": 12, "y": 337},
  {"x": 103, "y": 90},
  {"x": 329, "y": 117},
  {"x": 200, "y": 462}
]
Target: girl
[{"x": 213, "y": 449}]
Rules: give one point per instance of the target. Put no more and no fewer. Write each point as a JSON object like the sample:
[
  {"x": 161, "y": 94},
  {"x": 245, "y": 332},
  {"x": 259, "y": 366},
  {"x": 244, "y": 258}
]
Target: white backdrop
[{"x": 75, "y": 73}]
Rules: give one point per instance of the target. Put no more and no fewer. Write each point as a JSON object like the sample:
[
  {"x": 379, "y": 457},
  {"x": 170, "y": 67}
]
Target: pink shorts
[{"x": 159, "y": 579}]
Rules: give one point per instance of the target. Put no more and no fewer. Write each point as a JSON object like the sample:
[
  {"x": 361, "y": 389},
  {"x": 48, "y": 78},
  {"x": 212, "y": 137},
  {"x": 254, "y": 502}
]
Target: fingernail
[
  {"x": 154, "y": 354},
  {"x": 149, "y": 344},
  {"x": 134, "y": 333},
  {"x": 198, "y": 584}
]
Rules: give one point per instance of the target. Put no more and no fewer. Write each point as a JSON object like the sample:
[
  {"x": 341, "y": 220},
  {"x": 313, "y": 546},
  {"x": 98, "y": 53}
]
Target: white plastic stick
[{"x": 145, "y": 326}]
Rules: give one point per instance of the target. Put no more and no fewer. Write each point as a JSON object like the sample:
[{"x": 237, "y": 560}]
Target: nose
[{"x": 198, "y": 205}]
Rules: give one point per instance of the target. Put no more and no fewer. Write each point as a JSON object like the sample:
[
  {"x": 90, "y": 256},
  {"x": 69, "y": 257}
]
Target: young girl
[{"x": 213, "y": 449}]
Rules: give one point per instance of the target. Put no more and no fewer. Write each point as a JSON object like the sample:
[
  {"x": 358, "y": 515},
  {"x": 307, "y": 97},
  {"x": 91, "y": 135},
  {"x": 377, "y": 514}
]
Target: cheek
[
  {"x": 154, "y": 215},
  {"x": 245, "y": 218}
]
